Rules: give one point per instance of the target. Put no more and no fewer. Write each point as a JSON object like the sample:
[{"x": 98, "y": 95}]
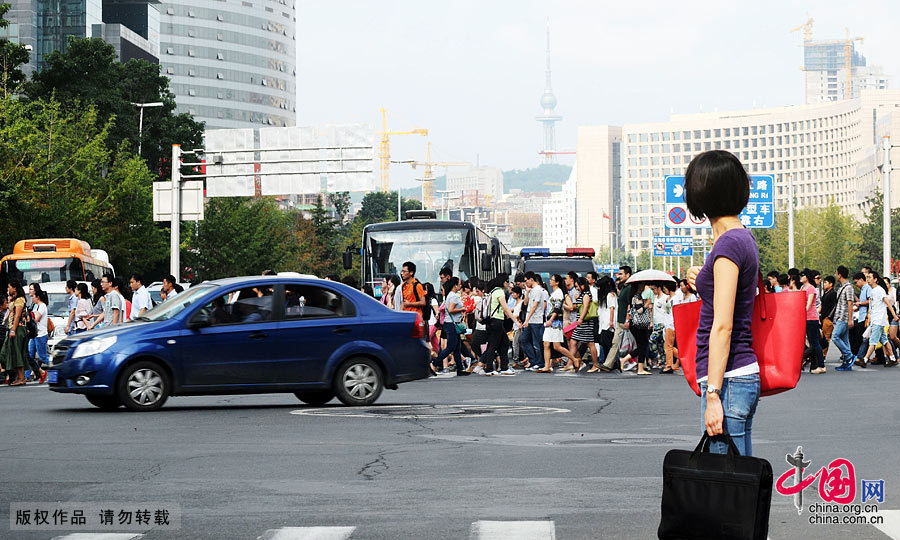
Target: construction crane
[
  {"x": 385, "y": 154},
  {"x": 427, "y": 178},
  {"x": 848, "y": 55},
  {"x": 807, "y": 29}
]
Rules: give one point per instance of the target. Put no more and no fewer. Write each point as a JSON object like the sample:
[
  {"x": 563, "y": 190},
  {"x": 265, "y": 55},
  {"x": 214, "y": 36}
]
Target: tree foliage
[
  {"x": 59, "y": 179},
  {"x": 12, "y": 55},
  {"x": 87, "y": 73}
]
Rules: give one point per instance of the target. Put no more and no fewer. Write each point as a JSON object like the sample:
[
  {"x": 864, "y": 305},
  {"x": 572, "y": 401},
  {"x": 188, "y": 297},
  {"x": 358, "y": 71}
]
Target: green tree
[
  {"x": 378, "y": 206},
  {"x": 87, "y": 72},
  {"x": 59, "y": 179},
  {"x": 12, "y": 55},
  {"x": 871, "y": 233},
  {"x": 238, "y": 237}
]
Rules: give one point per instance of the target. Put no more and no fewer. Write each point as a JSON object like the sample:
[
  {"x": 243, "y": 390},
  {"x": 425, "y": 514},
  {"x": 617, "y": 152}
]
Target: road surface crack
[{"x": 373, "y": 469}]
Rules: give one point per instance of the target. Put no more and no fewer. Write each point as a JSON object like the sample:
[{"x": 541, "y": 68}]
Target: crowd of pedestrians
[
  {"x": 594, "y": 324},
  {"x": 26, "y": 326}
]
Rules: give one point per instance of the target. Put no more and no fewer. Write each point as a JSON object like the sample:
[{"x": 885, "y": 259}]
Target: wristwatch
[{"x": 710, "y": 389}]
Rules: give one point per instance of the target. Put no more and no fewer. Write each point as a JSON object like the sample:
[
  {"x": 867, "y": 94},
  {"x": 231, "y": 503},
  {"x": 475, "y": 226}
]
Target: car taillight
[{"x": 418, "y": 331}]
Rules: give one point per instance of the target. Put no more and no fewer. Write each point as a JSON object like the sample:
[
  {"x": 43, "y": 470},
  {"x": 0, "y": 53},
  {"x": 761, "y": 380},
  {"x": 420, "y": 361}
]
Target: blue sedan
[{"x": 314, "y": 338}]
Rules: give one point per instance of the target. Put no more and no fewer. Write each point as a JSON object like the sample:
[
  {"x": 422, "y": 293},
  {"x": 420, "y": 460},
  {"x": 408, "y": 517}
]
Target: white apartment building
[
  {"x": 477, "y": 185},
  {"x": 558, "y": 216},
  {"x": 828, "y": 150}
]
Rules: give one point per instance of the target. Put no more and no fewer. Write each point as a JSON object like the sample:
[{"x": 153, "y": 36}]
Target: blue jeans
[
  {"x": 37, "y": 347},
  {"x": 454, "y": 347},
  {"x": 533, "y": 340},
  {"x": 841, "y": 339},
  {"x": 740, "y": 395}
]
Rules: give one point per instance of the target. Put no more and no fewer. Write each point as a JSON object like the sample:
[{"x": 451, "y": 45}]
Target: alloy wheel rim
[
  {"x": 145, "y": 386},
  {"x": 360, "y": 381}
]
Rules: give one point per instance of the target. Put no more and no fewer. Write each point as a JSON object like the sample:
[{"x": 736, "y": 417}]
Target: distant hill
[{"x": 534, "y": 179}]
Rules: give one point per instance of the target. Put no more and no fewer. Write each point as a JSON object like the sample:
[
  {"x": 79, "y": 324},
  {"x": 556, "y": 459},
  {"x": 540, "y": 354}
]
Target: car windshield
[
  {"x": 173, "y": 307},
  {"x": 59, "y": 304},
  {"x": 429, "y": 249}
]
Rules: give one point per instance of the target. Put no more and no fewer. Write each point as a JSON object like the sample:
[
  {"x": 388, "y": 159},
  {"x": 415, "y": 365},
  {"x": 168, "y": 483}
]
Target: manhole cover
[{"x": 433, "y": 411}]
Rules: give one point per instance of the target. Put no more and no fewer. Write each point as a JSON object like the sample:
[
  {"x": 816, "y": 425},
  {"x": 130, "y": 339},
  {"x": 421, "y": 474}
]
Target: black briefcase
[{"x": 715, "y": 496}]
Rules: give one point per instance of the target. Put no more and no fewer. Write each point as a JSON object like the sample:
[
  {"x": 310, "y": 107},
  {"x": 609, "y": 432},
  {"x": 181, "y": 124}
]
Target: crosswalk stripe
[
  {"x": 891, "y": 525},
  {"x": 308, "y": 533},
  {"x": 512, "y": 530},
  {"x": 100, "y": 536}
]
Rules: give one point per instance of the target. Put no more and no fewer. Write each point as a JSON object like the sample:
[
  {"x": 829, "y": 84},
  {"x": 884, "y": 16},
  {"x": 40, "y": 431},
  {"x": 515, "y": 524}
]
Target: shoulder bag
[
  {"x": 709, "y": 495},
  {"x": 779, "y": 336},
  {"x": 641, "y": 316}
]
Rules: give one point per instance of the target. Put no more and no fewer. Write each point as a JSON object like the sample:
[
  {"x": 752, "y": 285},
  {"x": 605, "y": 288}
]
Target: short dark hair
[
  {"x": 445, "y": 271},
  {"x": 593, "y": 275},
  {"x": 395, "y": 279},
  {"x": 520, "y": 277},
  {"x": 449, "y": 284},
  {"x": 784, "y": 279},
  {"x": 530, "y": 275},
  {"x": 171, "y": 279},
  {"x": 859, "y": 275},
  {"x": 411, "y": 266},
  {"x": 137, "y": 277},
  {"x": 868, "y": 268},
  {"x": 573, "y": 275},
  {"x": 843, "y": 271},
  {"x": 793, "y": 272},
  {"x": 716, "y": 184},
  {"x": 829, "y": 279},
  {"x": 809, "y": 274},
  {"x": 773, "y": 273},
  {"x": 71, "y": 285},
  {"x": 516, "y": 289},
  {"x": 627, "y": 269}
]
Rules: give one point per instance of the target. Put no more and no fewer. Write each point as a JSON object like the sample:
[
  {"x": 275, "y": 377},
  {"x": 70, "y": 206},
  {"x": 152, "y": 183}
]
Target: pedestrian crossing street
[{"x": 479, "y": 530}]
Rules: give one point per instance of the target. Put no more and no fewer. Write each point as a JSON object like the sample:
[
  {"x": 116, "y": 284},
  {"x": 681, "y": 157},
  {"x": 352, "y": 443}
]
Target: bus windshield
[
  {"x": 43, "y": 270},
  {"x": 429, "y": 249}
]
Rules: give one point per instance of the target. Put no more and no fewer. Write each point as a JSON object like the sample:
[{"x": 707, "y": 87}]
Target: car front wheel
[
  {"x": 143, "y": 386},
  {"x": 358, "y": 381},
  {"x": 107, "y": 403},
  {"x": 315, "y": 397}
]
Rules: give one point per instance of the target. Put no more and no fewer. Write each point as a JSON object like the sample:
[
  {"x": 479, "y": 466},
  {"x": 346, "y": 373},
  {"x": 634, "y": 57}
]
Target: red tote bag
[{"x": 779, "y": 338}]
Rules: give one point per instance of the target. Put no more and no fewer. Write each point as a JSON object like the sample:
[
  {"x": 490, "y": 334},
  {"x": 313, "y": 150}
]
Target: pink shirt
[{"x": 811, "y": 313}]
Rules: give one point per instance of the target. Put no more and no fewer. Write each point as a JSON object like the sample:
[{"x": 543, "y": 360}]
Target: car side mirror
[
  {"x": 200, "y": 319},
  {"x": 487, "y": 261}
]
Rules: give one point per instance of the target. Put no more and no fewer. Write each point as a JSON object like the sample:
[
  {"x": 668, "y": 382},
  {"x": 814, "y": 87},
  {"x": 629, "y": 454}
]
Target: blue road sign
[
  {"x": 758, "y": 214},
  {"x": 673, "y": 246}
]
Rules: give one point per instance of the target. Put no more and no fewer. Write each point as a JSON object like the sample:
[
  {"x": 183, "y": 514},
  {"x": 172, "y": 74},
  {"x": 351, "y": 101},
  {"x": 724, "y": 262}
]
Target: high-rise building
[
  {"x": 548, "y": 118},
  {"x": 131, "y": 26},
  {"x": 829, "y": 152},
  {"x": 825, "y": 64},
  {"x": 477, "y": 185},
  {"x": 558, "y": 216},
  {"x": 231, "y": 64}
]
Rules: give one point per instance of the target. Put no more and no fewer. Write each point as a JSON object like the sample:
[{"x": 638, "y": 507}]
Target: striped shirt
[{"x": 845, "y": 295}]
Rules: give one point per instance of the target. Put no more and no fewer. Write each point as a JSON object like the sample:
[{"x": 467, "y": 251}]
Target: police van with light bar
[{"x": 545, "y": 263}]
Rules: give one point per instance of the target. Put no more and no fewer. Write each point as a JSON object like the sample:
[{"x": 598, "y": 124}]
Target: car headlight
[{"x": 93, "y": 346}]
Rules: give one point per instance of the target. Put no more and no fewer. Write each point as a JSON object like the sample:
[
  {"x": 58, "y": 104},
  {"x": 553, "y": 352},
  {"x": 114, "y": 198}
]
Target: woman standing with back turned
[{"x": 717, "y": 186}]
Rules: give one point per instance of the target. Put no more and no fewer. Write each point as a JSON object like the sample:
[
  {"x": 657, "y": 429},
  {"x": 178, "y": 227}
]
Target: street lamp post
[
  {"x": 790, "y": 221},
  {"x": 886, "y": 219},
  {"x": 142, "y": 106}
]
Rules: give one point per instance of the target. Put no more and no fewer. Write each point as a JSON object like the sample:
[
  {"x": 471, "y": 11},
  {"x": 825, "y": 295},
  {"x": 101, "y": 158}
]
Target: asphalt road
[{"x": 570, "y": 456}]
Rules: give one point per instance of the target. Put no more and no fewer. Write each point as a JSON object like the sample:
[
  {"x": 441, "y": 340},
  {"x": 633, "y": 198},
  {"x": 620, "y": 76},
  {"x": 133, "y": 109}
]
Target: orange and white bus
[{"x": 54, "y": 259}]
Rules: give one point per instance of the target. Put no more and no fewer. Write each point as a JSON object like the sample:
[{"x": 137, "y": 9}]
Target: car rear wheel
[
  {"x": 358, "y": 381},
  {"x": 315, "y": 397},
  {"x": 143, "y": 386},
  {"x": 107, "y": 403}
]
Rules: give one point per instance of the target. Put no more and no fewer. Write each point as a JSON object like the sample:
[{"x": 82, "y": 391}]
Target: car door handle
[
  {"x": 259, "y": 335},
  {"x": 342, "y": 330}
]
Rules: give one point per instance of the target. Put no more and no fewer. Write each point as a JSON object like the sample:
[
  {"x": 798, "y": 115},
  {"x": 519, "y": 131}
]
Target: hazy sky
[{"x": 472, "y": 72}]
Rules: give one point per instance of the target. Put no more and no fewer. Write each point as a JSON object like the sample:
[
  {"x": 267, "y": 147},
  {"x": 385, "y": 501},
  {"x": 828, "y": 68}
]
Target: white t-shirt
[
  {"x": 659, "y": 309},
  {"x": 140, "y": 300},
  {"x": 431, "y": 320},
  {"x": 667, "y": 319},
  {"x": 537, "y": 300},
  {"x": 603, "y": 313},
  {"x": 877, "y": 307},
  {"x": 41, "y": 324}
]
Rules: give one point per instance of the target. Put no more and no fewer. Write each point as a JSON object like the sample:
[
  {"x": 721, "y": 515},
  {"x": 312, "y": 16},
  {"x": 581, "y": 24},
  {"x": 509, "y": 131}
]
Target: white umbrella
[{"x": 645, "y": 276}]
